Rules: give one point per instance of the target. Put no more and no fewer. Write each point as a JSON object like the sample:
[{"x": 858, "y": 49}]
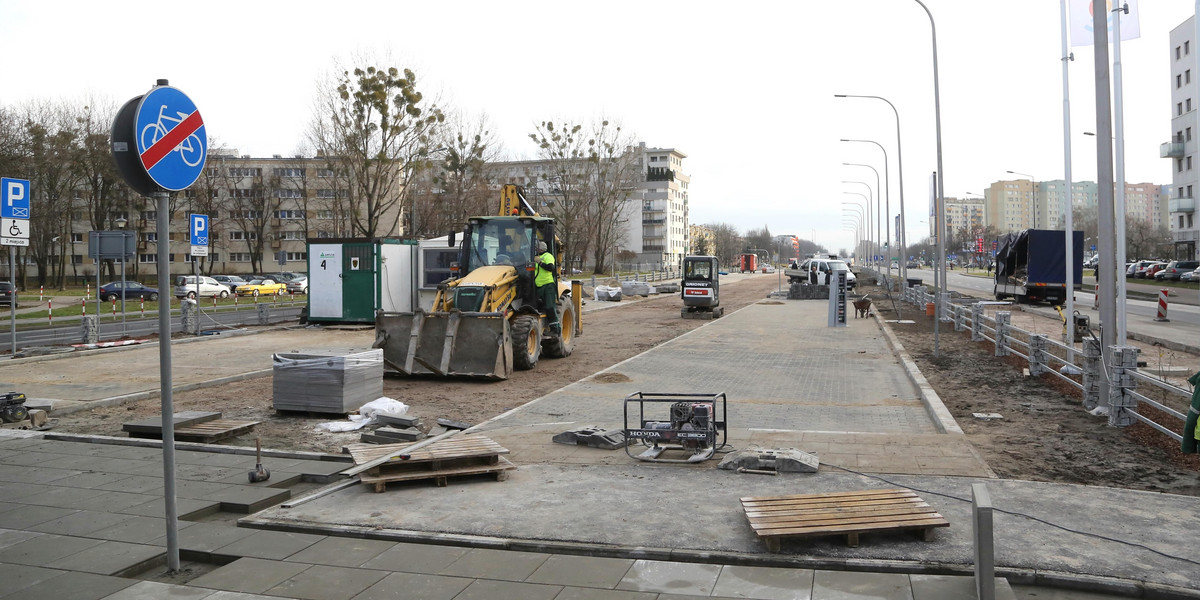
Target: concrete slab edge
[
  {"x": 477, "y": 426},
  {"x": 942, "y": 419},
  {"x": 134, "y": 397},
  {"x": 1017, "y": 576},
  {"x": 194, "y": 446}
]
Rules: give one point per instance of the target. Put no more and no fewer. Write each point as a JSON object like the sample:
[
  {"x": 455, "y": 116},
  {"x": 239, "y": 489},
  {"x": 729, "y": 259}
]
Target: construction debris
[
  {"x": 449, "y": 424},
  {"x": 593, "y": 437},
  {"x": 758, "y": 460}
]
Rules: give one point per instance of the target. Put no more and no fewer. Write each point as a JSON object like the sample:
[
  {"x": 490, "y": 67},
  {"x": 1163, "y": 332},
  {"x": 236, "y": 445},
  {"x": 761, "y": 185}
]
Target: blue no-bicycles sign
[{"x": 170, "y": 137}]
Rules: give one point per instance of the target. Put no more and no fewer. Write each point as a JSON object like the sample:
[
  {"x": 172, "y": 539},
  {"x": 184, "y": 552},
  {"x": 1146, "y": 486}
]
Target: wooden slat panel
[
  {"x": 882, "y": 520},
  {"x": 455, "y": 447},
  {"x": 801, "y": 508},
  {"x": 861, "y": 527},
  {"x": 840, "y": 513},
  {"x": 837, "y": 496},
  {"x": 844, "y": 514},
  {"x": 503, "y": 465}
]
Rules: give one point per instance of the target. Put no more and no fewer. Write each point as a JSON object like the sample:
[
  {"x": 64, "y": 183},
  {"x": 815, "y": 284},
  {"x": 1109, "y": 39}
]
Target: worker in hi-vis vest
[{"x": 547, "y": 288}]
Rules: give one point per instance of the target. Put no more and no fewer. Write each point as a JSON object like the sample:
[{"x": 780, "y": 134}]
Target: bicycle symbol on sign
[{"x": 190, "y": 149}]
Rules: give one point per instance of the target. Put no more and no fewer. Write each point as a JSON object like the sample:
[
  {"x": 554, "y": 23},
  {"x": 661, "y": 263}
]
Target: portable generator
[
  {"x": 12, "y": 407},
  {"x": 694, "y": 427}
]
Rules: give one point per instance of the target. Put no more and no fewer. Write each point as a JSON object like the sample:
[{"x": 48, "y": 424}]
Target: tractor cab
[{"x": 700, "y": 288}]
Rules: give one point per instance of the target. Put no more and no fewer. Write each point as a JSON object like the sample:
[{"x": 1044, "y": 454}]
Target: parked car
[
  {"x": 825, "y": 266},
  {"x": 1136, "y": 266},
  {"x": 129, "y": 290},
  {"x": 1175, "y": 270},
  {"x": 7, "y": 292},
  {"x": 230, "y": 281},
  {"x": 1092, "y": 262},
  {"x": 186, "y": 286},
  {"x": 283, "y": 276},
  {"x": 1191, "y": 276},
  {"x": 1149, "y": 271},
  {"x": 298, "y": 285},
  {"x": 261, "y": 287}
]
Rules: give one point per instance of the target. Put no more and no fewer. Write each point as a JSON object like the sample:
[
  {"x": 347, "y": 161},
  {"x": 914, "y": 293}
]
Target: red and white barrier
[
  {"x": 41, "y": 292},
  {"x": 144, "y": 306},
  {"x": 1162, "y": 306},
  {"x": 1096, "y": 298},
  {"x": 83, "y": 308},
  {"x": 114, "y": 307},
  {"x": 50, "y": 312}
]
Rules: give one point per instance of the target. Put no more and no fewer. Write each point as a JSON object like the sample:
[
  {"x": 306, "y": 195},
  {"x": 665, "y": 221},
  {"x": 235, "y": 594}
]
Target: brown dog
[{"x": 862, "y": 307}]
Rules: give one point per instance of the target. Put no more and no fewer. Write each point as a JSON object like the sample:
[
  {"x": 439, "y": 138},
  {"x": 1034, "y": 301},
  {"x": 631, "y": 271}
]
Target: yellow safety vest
[{"x": 544, "y": 276}]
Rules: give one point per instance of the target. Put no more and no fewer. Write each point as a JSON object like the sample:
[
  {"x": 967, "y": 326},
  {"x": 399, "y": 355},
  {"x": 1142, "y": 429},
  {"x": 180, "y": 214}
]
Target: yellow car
[{"x": 261, "y": 287}]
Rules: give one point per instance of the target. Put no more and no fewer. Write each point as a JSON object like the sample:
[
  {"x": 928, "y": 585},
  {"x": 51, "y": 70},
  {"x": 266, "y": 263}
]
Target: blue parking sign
[
  {"x": 199, "y": 229},
  {"x": 14, "y": 203}
]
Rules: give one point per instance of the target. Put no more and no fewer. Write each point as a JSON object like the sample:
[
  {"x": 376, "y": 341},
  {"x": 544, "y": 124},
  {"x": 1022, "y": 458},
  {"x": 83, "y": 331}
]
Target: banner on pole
[{"x": 1081, "y": 21}]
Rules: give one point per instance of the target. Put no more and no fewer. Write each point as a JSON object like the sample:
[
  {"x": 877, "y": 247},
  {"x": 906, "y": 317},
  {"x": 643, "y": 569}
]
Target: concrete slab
[
  {"x": 110, "y": 558},
  {"x": 153, "y": 590},
  {"x": 416, "y": 558},
  {"x": 766, "y": 583},
  {"x": 951, "y": 587},
  {"x": 581, "y": 571},
  {"x": 251, "y": 575},
  {"x": 19, "y": 577},
  {"x": 80, "y": 523},
  {"x": 272, "y": 545},
  {"x": 207, "y": 537},
  {"x": 44, "y": 549},
  {"x": 24, "y": 516},
  {"x": 490, "y": 589},
  {"x": 73, "y": 586},
  {"x": 415, "y": 585},
  {"x": 321, "y": 582},
  {"x": 8, "y": 537},
  {"x": 671, "y": 577},
  {"x": 579, "y": 593},
  {"x": 13, "y": 491},
  {"x": 184, "y": 507},
  {"x": 485, "y": 563},
  {"x": 138, "y": 530},
  {"x": 847, "y": 585},
  {"x": 341, "y": 552},
  {"x": 246, "y": 499}
]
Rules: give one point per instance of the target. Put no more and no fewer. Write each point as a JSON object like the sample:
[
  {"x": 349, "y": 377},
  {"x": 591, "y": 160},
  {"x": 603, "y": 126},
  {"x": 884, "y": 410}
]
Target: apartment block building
[
  {"x": 1019, "y": 204},
  {"x": 1181, "y": 149},
  {"x": 963, "y": 213}
]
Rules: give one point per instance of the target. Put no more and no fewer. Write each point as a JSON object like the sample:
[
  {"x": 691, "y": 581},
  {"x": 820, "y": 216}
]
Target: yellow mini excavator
[{"x": 485, "y": 320}]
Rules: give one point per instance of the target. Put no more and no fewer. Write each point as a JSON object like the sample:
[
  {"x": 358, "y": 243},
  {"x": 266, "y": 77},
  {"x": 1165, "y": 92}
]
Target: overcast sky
[{"x": 745, "y": 89}]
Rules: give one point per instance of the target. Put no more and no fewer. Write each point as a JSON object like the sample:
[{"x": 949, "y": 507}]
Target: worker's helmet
[{"x": 540, "y": 246}]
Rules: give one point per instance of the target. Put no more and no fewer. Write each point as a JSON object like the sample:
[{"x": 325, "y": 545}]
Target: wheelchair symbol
[{"x": 14, "y": 231}]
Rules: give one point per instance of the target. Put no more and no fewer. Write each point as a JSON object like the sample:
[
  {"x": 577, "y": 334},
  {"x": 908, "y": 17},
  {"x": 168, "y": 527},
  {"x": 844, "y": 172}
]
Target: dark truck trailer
[{"x": 1032, "y": 264}]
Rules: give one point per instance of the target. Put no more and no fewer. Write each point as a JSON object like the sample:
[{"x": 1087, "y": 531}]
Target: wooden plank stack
[
  {"x": 774, "y": 518},
  {"x": 472, "y": 454}
]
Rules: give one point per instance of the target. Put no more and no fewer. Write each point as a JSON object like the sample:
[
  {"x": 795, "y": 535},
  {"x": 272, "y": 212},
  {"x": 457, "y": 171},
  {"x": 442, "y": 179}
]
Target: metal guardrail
[{"x": 1116, "y": 364}]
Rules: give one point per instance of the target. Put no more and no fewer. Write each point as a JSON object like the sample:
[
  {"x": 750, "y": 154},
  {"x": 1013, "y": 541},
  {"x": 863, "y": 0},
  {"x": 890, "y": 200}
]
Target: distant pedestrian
[{"x": 989, "y": 269}]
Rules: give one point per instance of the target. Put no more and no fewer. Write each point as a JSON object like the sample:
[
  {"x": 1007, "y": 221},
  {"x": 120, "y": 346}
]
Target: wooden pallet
[
  {"x": 206, "y": 432},
  {"x": 774, "y": 518},
  {"x": 452, "y": 457}
]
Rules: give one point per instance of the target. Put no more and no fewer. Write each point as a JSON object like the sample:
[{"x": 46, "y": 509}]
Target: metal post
[
  {"x": 1003, "y": 319},
  {"x": 123, "y": 333},
  {"x": 1104, "y": 192},
  {"x": 164, "y": 375},
  {"x": 1092, "y": 374},
  {"x": 12, "y": 308},
  {"x": 1119, "y": 165},
  {"x": 941, "y": 173},
  {"x": 1068, "y": 226}
]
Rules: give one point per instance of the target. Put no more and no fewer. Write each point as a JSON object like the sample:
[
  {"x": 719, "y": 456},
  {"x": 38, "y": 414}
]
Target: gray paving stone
[
  {"x": 153, "y": 590},
  {"x": 271, "y": 545},
  {"x": 279, "y": 479},
  {"x": 221, "y": 595},
  {"x": 199, "y": 489},
  {"x": 73, "y": 586},
  {"x": 496, "y": 564},
  {"x": 84, "y": 462},
  {"x": 39, "y": 474},
  {"x": 416, "y": 558},
  {"x": 79, "y": 523},
  {"x": 183, "y": 506},
  {"x": 45, "y": 549},
  {"x": 64, "y": 497},
  {"x": 251, "y": 575},
  {"x": 490, "y": 589},
  {"x": 321, "y": 582},
  {"x": 581, "y": 593},
  {"x": 28, "y": 459},
  {"x": 25, "y": 516},
  {"x": 90, "y": 479},
  {"x": 16, "y": 491},
  {"x": 764, "y": 582},
  {"x": 8, "y": 537},
  {"x": 415, "y": 585},
  {"x": 846, "y": 585},
  {"x": 581, "y": 571},
  {"x": 19, "y": 577},
  {"x": 116, "y": 501},
  {"x": 207, "y": 537},
  {"x": 108, "y": 558},
  {"x": 137, "y": 484},
  {"x": 215, "y": 459},
  {"x": 247, "y": 499},
  {"x": 139, "y": 530},
  {"x": 341, "y": 552},
  {"x": 670, "y": 577}
]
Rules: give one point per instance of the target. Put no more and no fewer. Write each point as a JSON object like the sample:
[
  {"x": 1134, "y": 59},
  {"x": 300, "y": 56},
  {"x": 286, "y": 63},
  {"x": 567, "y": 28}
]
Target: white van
[{"x": 185, "y": 287}]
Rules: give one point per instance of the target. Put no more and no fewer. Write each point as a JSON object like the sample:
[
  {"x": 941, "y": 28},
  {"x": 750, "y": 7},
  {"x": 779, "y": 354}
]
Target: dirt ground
[{"x": 1045, "y": 435}]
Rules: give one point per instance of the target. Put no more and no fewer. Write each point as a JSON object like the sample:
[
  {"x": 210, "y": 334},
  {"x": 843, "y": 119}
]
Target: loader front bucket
[{"x": 448, "y": 344}]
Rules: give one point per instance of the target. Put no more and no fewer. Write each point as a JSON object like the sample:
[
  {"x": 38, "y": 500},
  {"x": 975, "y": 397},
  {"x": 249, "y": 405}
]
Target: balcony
[
  {"x": 646, "y": 248},
  {"x": 1171, "y": 149},
  {"x": 1183, "y": 205},
  {"x": 653, "y": 221},
  {"x": 276, "y": 244}
]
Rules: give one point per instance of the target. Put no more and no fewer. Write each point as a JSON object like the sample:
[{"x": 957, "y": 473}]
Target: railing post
[
  {"x": 1092, "y": 374},
  {"x": 1123, "y": 362},
  {"x": 985, "y": 549},
  {"x": 960, "y": 318},
  {"x": 945, "y": 316},
  {"x": 1003, "y": 318},
  {"x": 977, "y": 322},
  {"x": 1038, "y": 357}
]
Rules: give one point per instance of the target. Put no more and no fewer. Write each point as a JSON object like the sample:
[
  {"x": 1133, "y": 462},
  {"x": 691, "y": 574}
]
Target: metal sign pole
[
  {"x": 12, "y": 307},
  {"x": 164, "y": 375}
]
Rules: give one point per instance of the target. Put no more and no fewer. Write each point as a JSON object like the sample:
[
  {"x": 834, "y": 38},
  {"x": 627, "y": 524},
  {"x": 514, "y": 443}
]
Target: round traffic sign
[{"x": 170, "y": 138}]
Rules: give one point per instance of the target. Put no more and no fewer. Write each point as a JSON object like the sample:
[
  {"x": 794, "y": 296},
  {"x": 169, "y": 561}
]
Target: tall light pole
[
  {"x": 941, "y": 178},
  {"x": 870, "y": 203},
  {"x": 1068, "y": 204},
  {"x": 888, "y": 197},
  {"x": 1033, "y": 185},
  {"x": 882, "y": 190},
  {"x": 900, "y": 235},
  {"x": 866, "y": 215}
]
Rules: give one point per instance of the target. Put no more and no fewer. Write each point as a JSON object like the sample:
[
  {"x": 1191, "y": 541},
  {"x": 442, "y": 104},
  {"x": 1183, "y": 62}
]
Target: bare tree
[
  {"x": 53, "y": 140},
  {"x": 565, "y": 149},
  {"x": 612, "y": 173},
  {"x": 373, "y": 128},
  {"x": 456, "y": 187},
  {"x": 727, "y": 241}
]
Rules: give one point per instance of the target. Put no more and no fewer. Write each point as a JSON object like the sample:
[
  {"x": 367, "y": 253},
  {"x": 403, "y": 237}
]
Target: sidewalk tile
[
  {"x": 9, "y": 537},
  {"x": 14, "y": 515},
  {"x": 415, "y": 585},
  {"x": 108, "y": 558},
  {"x": 670, "y": 577},
  {"x": 416, "y": 558},
  {"x": 207, "y": 537},
  {"x": 765, "y": 583},
  {"x": 582, "y": 593},
  {"x": 846, "y": 585},
  {"x": 321, "y": 582},
  {"x": 270, "y": 545},
  {"x": 44, "y": 549},
  {"x": 486, "y": 563},
  {"x": 73, "y": 586},
  {"x": 80, "y": 523},
  {"x": 19, "y": 577},
  {"x": 138, "y": 530},
  {"x": 490, "y": 589},
  {"x": 153, "y": 590},
  {"x": 581, "y": 571},
  {"x": 341, "y": 552},
  {"x": 250, "y": 575}
]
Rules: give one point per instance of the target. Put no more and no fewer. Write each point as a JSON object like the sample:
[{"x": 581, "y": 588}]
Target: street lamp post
[
  {"x": 865, "y": 213},
  {"x": 941, "y": 178},
  {"x": 882, "y": 190},
  {"x": 870, "y": 203},
  {"x": 900, "y": 235}
]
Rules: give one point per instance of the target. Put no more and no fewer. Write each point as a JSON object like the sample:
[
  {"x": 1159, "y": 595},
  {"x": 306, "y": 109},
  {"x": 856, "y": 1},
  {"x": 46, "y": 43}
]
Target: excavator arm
[{"x": 513, "y": 202}]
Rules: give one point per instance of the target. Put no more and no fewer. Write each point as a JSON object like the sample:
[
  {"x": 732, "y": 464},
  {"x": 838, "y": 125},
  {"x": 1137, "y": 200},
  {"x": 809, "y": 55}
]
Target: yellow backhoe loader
[{"x": 485, "y": 320}]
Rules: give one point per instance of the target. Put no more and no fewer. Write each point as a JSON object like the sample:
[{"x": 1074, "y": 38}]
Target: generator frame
[{"x": 714, "y": 435}]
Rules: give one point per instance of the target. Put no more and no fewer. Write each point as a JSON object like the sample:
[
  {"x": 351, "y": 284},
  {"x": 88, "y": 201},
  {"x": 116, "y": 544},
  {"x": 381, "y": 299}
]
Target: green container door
[{"x": 358, "y": 282}]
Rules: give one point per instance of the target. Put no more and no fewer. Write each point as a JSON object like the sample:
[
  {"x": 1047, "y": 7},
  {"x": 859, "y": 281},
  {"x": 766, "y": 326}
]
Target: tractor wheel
[
  {"x": 561, "y": 345},
  {"x": 526, "y": 341}
]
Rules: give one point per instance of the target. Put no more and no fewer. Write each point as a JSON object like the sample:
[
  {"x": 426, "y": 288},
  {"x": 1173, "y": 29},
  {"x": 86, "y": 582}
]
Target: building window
[
  {"x": 1176, "y": 52},
  {"x": 1178, "y": 108},
  {"x": 245, "y": 172},
  {"x": 150, "y": 236},
  {"x": 289, "y": 172},
  {"x": 251, "y": 193},
  {"x": 76, "y": 237},
  {"x": 150, "y": 215},
  {"x": 1187, "y": 76},
  {"x": 243, "y": 235},
  {"x": 1179, "y": 165},
  {"x": 1189, "y": 104},
  {"x": 1189, "y": 163},
  {"x": 1186, "y": 45},
  {"x": 1178, "y": 81},
  {"x": 239, "y": 257},
  {"x": 324, "y": 172},
  {"x": 77, "y": 259},
  {"x": 1187, "y": 134},
  {"x": 148, "y": 258},
  {"x": 282, "y": 193},
  {"x": 289, "y": 214}
]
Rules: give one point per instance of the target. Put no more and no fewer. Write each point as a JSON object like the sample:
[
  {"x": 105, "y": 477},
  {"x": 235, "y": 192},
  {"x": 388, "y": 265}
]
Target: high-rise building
[{"x": 1181, "y": 148}]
